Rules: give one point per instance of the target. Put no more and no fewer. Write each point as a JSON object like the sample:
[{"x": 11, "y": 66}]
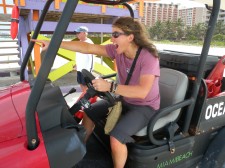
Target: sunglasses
[{"x": 117, "y": 34}]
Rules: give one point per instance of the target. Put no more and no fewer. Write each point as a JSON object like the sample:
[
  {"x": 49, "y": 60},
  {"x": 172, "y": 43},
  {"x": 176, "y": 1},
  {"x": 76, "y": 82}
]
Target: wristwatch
[{"x": 115, "y": 85}]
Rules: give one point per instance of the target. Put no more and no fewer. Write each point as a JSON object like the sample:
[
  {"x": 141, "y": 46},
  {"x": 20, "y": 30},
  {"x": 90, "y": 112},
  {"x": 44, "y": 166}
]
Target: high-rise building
[
  {"x": 163, "y": 10},
  {"x": 193, "y": 16},
  {"x": 221, "y": 16},
  {"x": 190, "y": 13},
  {"x": 155, "y": 10}
]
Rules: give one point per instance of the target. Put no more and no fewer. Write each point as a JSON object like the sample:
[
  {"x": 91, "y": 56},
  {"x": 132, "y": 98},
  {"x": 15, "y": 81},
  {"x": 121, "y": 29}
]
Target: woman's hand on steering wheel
[
  {"x": 102, "y": 91},
  {"x": 101, "y": 85}
]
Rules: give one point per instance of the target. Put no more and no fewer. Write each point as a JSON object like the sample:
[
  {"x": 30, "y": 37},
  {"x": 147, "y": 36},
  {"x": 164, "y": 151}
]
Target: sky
[
  {"x": 9, "y": 2},
  {"x": 184, "y": 3}
]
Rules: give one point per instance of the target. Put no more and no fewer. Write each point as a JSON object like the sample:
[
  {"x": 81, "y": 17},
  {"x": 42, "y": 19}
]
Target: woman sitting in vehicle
[{"x": 141, "y": 96}]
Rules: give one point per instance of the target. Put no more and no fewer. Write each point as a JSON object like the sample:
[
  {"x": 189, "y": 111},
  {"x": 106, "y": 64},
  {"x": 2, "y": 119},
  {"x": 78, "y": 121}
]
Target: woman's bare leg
[
  {"x": 88, "y": 125},
  {"x": 119, "y": 153}
]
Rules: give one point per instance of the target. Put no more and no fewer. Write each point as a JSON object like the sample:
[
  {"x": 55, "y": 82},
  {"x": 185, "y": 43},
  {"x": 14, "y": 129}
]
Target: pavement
[
  {"x": 66, "y": 83},
  {"x": 7, "y": 81},
  {"x": 69, "y": 79},
  {"x": 217, "y": 51}
]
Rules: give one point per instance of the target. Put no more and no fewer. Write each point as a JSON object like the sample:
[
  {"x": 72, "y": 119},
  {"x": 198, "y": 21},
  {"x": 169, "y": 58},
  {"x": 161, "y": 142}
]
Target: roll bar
[
  {"x": 203, "y": 57},
  {"x": 190, "y": 102},
  {"x": 47, "y": 63},
  {"x": 35, "y": 35}
]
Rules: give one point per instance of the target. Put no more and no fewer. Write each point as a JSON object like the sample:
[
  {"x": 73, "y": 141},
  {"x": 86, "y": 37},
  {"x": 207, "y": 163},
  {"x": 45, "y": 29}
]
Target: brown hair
[{"x": 129, "y": 26}]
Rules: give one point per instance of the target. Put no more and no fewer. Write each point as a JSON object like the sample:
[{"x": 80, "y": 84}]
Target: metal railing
[{"x": 9, "y": 52}]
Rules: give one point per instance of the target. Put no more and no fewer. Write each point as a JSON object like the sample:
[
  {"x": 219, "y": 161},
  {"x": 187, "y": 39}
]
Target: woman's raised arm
[{"x": 77, "y": 46}]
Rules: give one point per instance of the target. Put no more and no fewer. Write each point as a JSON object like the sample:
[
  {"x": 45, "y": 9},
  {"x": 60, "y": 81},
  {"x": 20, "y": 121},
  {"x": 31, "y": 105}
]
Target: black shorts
[
  {"x": 133, "y": 119},
  {"x": 80, "y": 78}
]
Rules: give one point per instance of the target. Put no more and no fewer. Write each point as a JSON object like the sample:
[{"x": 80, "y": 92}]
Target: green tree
[
  {"x": 189, "y": 34},
  {"x": 170, "y": 33},
  {"x": 169, "y": 30},
  {"x": 220, "y": 28},
  {"x": 199, "y": 30},
  {"x": 157, "y": 31},
  {"x": 180, "y": 29}
]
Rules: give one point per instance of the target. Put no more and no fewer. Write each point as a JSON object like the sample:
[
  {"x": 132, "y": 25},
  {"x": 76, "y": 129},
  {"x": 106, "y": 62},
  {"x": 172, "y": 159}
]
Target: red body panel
[
  {"x": 14, "y": 153},
  {"x": 20, "y": 94},
  {"x": 10, "y": 125},
  {"x": 13, "y": 139}
]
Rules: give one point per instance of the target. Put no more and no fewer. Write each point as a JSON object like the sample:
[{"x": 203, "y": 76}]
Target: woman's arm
[
  {"x": 77, "y": 46},
  {"x": 136, "y": 91},
  {"x": 84, "y": 47}
]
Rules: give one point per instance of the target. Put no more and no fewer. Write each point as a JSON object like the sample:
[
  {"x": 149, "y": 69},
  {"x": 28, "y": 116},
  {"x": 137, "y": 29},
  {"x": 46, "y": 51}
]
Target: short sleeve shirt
[
  {"x": 84, "y": 61},
  {"x": 146, "y": 64}
]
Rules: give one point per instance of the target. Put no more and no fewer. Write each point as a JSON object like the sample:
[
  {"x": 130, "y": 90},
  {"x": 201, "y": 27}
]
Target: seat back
[{"x": 173, "y": 87}]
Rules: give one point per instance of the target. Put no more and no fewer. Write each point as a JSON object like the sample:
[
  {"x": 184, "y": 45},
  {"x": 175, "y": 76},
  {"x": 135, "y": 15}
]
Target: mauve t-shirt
[{"x": 146, "y": 64}]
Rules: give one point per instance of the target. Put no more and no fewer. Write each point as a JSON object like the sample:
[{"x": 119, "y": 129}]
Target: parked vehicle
[{"x": 38, "y": 128}]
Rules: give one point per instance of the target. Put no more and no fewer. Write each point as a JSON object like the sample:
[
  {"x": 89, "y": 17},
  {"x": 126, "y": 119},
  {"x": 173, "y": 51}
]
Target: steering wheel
[{"x": 88, "y": 77}]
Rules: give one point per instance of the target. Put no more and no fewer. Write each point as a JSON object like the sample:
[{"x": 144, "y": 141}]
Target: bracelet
[
  {"x": 111, "y": 87},
  {"x": 115, "y": 87}
]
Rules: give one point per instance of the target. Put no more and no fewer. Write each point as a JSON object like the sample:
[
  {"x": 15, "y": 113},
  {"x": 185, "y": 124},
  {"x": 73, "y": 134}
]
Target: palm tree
[
  {"x": 180, "y": 30},
  {"x": 220, "y": 28},
  {"x": 170, "y": 33},
  {"x": 157, "y": 31},
  {"x": 199, "y": 30}
]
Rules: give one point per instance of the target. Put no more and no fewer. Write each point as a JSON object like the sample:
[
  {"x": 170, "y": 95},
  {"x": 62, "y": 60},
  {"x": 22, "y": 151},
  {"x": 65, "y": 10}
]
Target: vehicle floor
[{"x": 97, "y": 155}]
